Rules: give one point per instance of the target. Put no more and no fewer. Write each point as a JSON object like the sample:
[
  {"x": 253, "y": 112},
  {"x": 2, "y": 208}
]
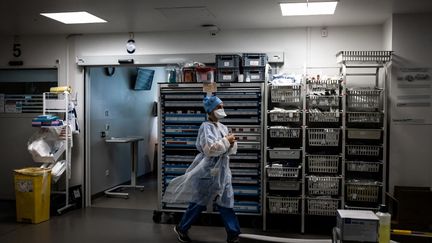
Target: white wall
[
  {"x": 410, "y": 145},
  {"x": 302, "y": 46},
  {"x": 388, "y": 35},
  {"x": 36, "y": 52}
]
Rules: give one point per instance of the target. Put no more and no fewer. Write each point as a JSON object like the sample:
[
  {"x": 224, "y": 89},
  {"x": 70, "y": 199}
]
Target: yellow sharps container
[{"x": 32, "y": 192}]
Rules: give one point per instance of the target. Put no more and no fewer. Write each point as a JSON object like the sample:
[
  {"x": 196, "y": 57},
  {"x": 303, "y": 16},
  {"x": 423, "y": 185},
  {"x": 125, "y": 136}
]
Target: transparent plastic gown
[{"x": 208, "y": 178}]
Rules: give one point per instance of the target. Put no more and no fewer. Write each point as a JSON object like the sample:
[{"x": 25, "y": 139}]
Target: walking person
[{"x": 208, "y": 178}]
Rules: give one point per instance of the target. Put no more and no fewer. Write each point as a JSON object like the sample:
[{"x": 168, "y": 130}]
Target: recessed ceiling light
[
  {"x": 308, "y": 8},
  {"x": 74, "y": 17}
]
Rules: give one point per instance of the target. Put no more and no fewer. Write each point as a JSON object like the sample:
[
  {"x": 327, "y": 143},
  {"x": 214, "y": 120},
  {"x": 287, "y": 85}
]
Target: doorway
[{"x": 117, "y": 108}]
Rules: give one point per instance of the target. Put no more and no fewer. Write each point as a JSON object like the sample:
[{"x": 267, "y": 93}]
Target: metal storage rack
[
  {"x": 323, "y": 143},
  {"x": 284, "y": 149},
  {"x": 58, "y": 103},
  {"x": 181, "y": 114},
  {"x": 365, "y": 128}
]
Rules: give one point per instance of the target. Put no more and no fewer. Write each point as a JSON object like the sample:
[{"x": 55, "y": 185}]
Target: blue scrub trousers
[{"x": 229, "y": 219}]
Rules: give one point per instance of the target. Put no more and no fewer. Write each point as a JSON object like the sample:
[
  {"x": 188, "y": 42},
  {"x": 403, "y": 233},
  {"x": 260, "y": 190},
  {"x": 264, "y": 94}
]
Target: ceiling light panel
[
  {"x": 308, "y": 8},
  {"x": 74, "y": 17}
]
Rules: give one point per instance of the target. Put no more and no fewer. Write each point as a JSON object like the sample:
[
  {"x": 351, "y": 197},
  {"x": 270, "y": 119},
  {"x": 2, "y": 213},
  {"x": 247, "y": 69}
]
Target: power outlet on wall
[{"x": 107, "y": 172}]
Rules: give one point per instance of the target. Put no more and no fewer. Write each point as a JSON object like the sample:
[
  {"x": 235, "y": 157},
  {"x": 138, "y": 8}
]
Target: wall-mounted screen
[{"x": 144, "y": 79}]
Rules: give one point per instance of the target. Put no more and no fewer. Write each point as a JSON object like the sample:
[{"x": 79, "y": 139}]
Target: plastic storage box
[
  {"x": 284, "y": 132},
  {"x": 323, "y": 206},
  {"x": 284, "y": 185},
  {"x": 371, "y": 134},
  {"x": 363, "y": 166},
  {"x": 227, "y": 75},
  {"x": 283, "y": 172},
  {"x": 254, "y": 59},
  {"x": 283, "y": 153},
  {"x": 323, "y": 136},
  {"x": 228, "y": 61},
  {"x": 254, "y": 74},
  {"x": 357, "y": 118},
  {"x": 286, "y": 94},
  {"x": 323, "y": 163},
  {"x": 362, "y": 191},
  {"x": 324, "y": 117},
  {"x": 284, "y": 205},
  {"x": 363, "y": 100},
  {"x": 323, "y": 185}
]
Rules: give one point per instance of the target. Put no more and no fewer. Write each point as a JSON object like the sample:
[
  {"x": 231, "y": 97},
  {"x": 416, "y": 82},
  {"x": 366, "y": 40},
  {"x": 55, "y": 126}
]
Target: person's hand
[{"x": 231, "y": 138}]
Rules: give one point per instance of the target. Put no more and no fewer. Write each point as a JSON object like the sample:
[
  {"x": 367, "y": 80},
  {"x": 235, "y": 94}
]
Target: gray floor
[
  {"x": 145, "y": 199},
  {"x": 110, "y": 220}
]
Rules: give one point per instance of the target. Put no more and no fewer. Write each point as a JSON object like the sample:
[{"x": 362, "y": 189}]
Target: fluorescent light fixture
[
  {"x": 308, "y": 8},
  {"x": 74, "y": 17}
]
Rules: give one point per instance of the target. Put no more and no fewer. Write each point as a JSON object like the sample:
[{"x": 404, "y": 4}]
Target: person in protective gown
[{"x": 208, "y": 178}]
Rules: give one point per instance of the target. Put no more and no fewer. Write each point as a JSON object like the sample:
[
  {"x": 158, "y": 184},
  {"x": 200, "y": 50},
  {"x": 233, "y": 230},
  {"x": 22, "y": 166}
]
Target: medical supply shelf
[
  {"x": 323, "y": 193},
  {"x": 342, "y": 151},
  {"x": 284, "y": 146},
  {"x": 58, "y": 103},
  {"x": 364, "y": 127},
  {"x": 181, "y": 113}
]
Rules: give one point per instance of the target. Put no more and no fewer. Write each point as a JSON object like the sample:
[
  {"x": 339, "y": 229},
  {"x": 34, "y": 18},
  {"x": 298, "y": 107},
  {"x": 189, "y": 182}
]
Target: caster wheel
[{"x": 157, "y": 216}]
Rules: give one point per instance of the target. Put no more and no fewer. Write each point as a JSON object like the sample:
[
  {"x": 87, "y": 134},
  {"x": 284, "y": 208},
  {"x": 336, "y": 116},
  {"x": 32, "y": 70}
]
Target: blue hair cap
[{"x": 210, "y": 103}]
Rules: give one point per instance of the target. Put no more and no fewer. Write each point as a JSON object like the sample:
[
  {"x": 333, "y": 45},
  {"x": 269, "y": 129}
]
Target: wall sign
[{"x": 412, "y": 99}]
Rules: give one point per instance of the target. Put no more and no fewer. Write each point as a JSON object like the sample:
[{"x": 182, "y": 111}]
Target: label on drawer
[
  {"x": 255, "y": 77},
  {"x": 226, "y": 64},
  {"x": 254, "y": 63},
  {"x": 226, "y": 77}
]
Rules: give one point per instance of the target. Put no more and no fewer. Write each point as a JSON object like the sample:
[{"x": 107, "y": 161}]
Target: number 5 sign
[{"x": 16, "y": 50}]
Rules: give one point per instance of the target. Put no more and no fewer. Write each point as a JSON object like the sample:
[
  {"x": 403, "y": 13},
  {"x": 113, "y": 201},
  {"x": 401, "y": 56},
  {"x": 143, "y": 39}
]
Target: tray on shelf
[
  {"x": 323, "y": 84},
  {"x": 246, "y": 190},
  {"x": 284, "y": 132},
  {"x": 363, "y": 166},
  {"x": 323, "y": 136},
  {"x": 283, "y": 172},
  {"x": 323, "y": 101},
  {"x": 284, "y": 205},
  {"x": 363, "y": 150},
  {"x": 368, "y": 134},
  {"x": 286, "y": 94},
  {"x": 282, "y": 115},
  {"x": 284, "y": 185},
  {"x": 364, "y": 99},
  {"x": 363, "y": 191},
  {"x": 284, "y": 153},
  {"x": 322, "y": 206},
  {"x": 323, "y": 185},
  {"x": 323, "y": 163},
  {"x": 360, "y": 118},
  {"x": 246, "y": 207},
  {"x": 324, "y": 117},
  {"x": 363, "y": 56}
]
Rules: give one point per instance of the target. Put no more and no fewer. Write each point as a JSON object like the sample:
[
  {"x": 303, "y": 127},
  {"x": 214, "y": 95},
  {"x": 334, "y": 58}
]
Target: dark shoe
[
  {"x": 235, "y": 239},
  {"x": 182, "y": 237}
]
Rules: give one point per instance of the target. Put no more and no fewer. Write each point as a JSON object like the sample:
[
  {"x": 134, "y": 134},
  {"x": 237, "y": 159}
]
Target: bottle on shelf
[{"x": 384, "y": 224}]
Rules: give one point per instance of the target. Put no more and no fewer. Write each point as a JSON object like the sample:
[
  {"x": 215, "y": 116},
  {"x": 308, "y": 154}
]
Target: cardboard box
[{"x": 358, "y": 225}]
